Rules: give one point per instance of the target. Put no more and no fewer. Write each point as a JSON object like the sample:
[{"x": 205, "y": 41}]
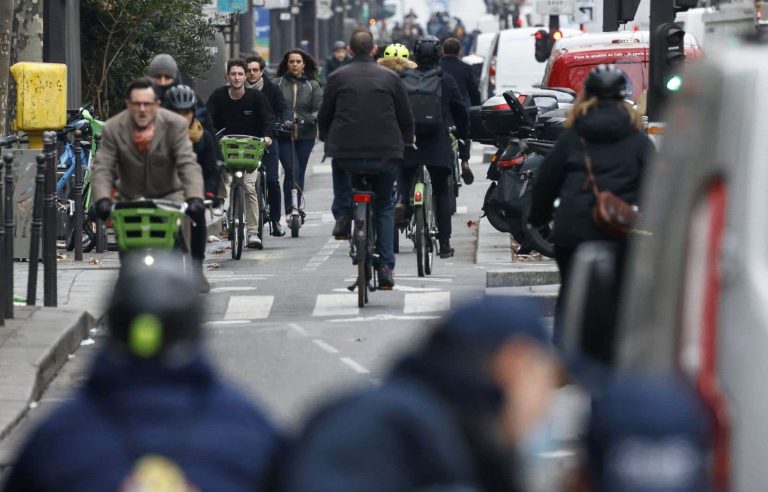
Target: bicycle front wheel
[
  {"x": 238, "y": 221},
  {"x": 418, "y": 240}
]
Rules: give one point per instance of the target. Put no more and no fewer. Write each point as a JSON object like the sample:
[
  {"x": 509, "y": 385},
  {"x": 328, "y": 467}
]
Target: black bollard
[
  {"x": 37, "y": 226},
  {"x": 9, "y": 227},
  {"x": 49, "y": 222},
  {"x": 78, "y": 198}
]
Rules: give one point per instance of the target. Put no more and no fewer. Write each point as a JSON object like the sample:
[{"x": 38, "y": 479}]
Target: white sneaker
[
  {"x": 217, "y": 212},
  {"x": 254, "y": 241}
]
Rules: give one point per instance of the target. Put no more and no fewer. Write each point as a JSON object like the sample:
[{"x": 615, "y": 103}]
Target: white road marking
[
  {"x": 427, "y": 302},
  {"x": 461, "y": 210},
  {"x": 249, "y": 307},
  {"x": 298, "y": 329},
  {"x": 325, "y": 346},
  {"x": 327, "y": 218},
  {"x": 236, "y": 278},
  {"x": 354, "y": 365},
  {"x": 228, "y": 322},
  {"x": 321, "y": 169},
  {"x": 232, "y": 289},
  {"x": 408, "y": 288},
  {"x": 383, "y": 317},
  {"x": 336, "y": 305}
]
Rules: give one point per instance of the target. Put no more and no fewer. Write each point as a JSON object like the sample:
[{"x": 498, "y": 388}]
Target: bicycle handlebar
[{"x": 8, "y": 140}]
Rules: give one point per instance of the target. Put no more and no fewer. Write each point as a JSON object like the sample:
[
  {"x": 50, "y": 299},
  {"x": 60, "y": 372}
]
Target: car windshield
[{"x": 636, "y": 71}]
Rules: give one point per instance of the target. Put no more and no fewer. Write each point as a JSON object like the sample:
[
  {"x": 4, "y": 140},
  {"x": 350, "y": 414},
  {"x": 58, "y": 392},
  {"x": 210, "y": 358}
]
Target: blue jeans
[
  {"x": 382, "y": 184},
  {"x": 299, "y": 161},
  {"x": 271, "y": 161}
]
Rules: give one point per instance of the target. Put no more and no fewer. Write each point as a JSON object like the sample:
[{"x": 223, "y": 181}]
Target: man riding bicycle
[
  {"x": 146, "y": 152},
  {"x": 236, "y": 110},
  {"x": 365, "y": 121}
]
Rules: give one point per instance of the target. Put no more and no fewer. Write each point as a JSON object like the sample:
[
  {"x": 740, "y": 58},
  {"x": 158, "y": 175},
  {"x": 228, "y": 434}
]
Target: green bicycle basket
[
  {"x": 146, "y": 226},
  {"x": 241, "y": 152}
]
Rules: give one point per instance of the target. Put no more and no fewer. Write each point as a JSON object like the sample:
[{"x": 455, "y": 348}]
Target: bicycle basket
[
  {"x": 145, "y": 225},
  {"x": 241, "y": 152}
]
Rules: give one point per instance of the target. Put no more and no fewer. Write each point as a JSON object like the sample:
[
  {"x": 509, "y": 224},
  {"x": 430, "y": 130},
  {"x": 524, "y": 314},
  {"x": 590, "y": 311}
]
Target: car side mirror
[{"x": 589, "y": 319}]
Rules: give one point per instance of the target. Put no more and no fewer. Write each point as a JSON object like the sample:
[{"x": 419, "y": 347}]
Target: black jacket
[
  {"x": 276, "y": 100},
  {"x": 331, "y": 64},
  {"x": 464, "y": 78},
  {"x": 365, "y": 112},
  {"x": 207, "y": 153},
  {"x": 429, "y": 427},
  {"x": 436, "y": 150},
  {"x": 619, "y": 155},
  {"x": 249, "y": 115}
]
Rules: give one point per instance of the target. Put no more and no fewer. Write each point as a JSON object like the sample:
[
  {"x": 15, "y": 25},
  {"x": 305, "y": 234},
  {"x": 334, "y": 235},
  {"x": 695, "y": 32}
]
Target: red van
[{"x": 569, "y": 68}]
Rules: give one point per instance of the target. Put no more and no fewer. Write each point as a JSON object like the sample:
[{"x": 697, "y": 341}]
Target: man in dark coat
[
  {"x": 452, "y": 416},
  {"x": 434, "y": 151},
  {"x": 338, "y": 59},
  {"x": 152, "y": 407},
  {"x": 255, "y": 78},
  {"x": 365, "y": 121}
]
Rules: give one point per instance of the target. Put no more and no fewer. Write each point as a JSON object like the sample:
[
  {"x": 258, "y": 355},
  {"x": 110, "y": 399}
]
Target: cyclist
[
  {"x": 181, "y": 99},
  {"x": 237, "y": 110},
  {"x": 370, "y": 140},
  {"x": 255, "y": 78},
  {"x": 297, "y": 78},
  {"x": 433, "y": 140},
  {"x": 146, "y": 152},
  {"x": 152, "y": 407}
]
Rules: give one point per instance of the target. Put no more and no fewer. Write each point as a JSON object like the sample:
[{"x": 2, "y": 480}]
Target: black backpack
[{"x": 425, "y": 93}]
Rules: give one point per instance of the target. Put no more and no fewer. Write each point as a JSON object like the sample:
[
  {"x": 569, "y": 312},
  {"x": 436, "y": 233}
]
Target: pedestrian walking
[
  {"x": 604, "y": 130},
  {"x": 338, "y": 58},
  {"x": 297, "y": 79},
  {"x": 152, "y": 409},
  {"x": 646, "y": 434},
  {"x": 236, "y": 110},
  {"x": 456, "y": 414},
  {"x": 439, "y": 106},
  {"x": 365, "y": 121},
  {"x": 258, "y": 80}
]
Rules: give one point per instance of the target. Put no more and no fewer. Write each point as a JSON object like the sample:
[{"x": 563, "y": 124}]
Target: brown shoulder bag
[{"x": 611, "y": 215}]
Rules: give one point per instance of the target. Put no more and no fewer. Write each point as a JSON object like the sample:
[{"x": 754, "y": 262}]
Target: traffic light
[
  {"x": 667, "y": 57},
  {"x": 543, "y": 45}
]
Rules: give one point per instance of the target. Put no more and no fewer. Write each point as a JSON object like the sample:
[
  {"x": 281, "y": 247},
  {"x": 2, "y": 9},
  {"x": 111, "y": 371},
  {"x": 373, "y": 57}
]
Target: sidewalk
[{"x": 37, "y": 342}]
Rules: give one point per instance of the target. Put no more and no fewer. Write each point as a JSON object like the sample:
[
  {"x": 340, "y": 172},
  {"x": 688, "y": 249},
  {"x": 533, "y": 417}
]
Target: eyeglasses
[
  {"x": 253, "y": 70},
  {"x": 141, "y": 104}
]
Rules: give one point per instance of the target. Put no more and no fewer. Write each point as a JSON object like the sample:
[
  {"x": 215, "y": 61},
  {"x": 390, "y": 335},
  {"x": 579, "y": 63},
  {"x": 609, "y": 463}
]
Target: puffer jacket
[
  {"x": 304, "y": 97},
  {"x": 619, "y": 155}
]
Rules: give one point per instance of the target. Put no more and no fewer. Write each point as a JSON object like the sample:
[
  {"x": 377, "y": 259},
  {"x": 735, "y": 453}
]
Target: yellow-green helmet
[{"x": 396, "y": 50}]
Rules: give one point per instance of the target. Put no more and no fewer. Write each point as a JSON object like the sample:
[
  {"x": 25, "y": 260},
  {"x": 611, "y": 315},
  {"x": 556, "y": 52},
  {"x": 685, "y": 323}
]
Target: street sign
[
  {"x": 231, "y": 6},
  {"x": 584, "y": 12},
  {"x": 323, "y": 9},
  {"x": 555, "y": 7}
]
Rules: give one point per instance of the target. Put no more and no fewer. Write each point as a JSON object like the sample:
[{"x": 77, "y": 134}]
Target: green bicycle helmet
[{"x": 396, "y": 50}]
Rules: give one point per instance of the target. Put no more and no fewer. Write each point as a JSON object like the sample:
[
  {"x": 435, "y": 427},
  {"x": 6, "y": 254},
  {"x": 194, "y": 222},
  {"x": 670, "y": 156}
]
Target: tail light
[
  {"x": 700, "y": 316},
  {"x": 362, "y": 197},
  {"x": 499, "y": 107},
  {"x": 418, "y": 197},
  {"x": 492, "y": 77},
  {"x": 516, "y": 161}
]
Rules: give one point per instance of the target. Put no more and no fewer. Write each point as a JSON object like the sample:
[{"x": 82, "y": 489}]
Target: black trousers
[
  {"x": 197, "y": 238},
  {"x": 440, "y": 192}
]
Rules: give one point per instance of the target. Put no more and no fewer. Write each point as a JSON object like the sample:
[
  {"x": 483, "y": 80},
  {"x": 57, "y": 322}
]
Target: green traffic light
[{"x": 674, "y": 83}]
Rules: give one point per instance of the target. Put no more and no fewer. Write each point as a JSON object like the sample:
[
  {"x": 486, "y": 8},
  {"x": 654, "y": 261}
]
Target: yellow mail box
[{"x": 41, "y": 102}]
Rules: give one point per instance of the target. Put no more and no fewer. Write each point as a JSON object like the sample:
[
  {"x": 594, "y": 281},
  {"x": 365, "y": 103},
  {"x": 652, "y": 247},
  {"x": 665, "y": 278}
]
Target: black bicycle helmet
[
  {"x": 180, "y": 97},
  {"x": 155, "y": 309},
  {"x": 427, "y": 48},
  {"x": 606, "y": 82}
]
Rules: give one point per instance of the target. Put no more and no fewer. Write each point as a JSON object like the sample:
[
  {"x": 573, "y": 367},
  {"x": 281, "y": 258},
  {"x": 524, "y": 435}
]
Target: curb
[
  {"x": 534, "y": 274},
  {"x": 38, "y": 359},
  {"x": 544, "y": 295}
]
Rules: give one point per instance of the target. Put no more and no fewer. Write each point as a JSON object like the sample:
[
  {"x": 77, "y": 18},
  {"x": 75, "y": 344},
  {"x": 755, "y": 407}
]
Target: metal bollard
[
  {"x": 78, "y": 198},
  {"x": 9, "y": 227},
  {"x": 37, "y": 226},
  {"x": 49, "y": 222}
]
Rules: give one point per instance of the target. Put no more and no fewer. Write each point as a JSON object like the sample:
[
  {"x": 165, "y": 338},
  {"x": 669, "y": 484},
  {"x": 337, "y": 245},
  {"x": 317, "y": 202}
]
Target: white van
[{"x": 512, "y": 62}]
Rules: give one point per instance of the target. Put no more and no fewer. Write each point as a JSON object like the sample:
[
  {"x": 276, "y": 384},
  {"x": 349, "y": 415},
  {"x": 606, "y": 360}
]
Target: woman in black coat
[{"x": 607, "y": 128}]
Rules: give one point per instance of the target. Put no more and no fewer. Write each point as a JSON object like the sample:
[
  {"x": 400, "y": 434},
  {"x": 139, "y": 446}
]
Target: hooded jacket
[
  {"x": 129, "y": 409},
  {"x": 304, "y": 97},
  {"x": 619, "y": 155},
  {"x": 428, "y": 427},
  {"x": 396, "y": 63}
]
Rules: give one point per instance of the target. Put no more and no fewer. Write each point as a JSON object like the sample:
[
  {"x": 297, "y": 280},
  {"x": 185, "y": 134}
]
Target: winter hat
[
  {"x": 648, "y": 435},
  {"x": 163, "y": 64}
]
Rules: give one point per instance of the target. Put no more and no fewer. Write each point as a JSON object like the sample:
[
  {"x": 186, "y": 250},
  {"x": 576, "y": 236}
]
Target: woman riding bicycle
[{"x": 297, "y": 79}]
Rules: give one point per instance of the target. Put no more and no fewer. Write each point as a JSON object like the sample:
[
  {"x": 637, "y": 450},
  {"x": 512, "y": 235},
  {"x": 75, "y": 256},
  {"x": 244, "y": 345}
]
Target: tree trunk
[
  {"x": 6, "y": 25},
  {"x": 26, "y": 42}
]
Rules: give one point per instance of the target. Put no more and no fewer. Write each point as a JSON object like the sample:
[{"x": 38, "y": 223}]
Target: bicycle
[
  {"x": 454, "y": 181},
  {"x": 242, "y": 154},
  {"x": 362, "y": 241},
  {"x": 422, "y": 228}
]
